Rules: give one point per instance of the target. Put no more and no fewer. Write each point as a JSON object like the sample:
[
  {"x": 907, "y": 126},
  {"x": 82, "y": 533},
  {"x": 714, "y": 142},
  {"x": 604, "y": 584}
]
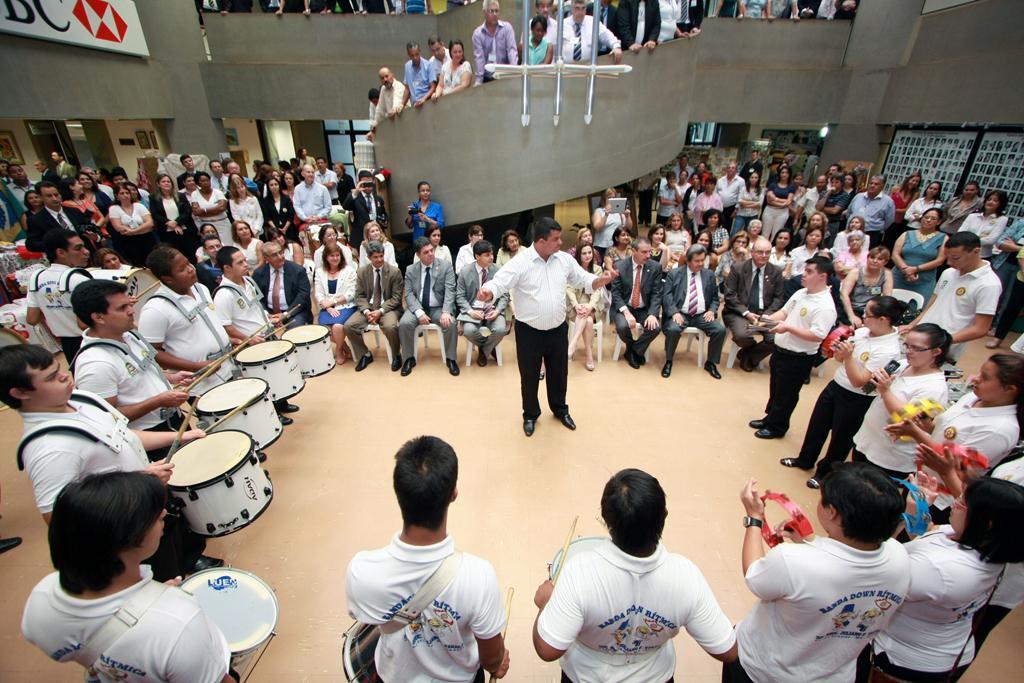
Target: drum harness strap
[
  {"x": 113, "y": 439},
  {"x": 62, "y": 283},
  {"x": 198, "y": 312},
  {"x": 249, "y": 301},
  {"x": 438, "y": 581},
  {"x": 119, "y": 623}
]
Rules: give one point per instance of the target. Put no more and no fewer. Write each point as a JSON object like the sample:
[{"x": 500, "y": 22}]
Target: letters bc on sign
[{"x": 111, "y": 25}]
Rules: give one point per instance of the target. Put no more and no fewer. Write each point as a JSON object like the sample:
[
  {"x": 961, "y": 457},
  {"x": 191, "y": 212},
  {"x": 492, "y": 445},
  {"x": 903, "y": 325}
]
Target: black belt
[{"x": 787, "y": 352}]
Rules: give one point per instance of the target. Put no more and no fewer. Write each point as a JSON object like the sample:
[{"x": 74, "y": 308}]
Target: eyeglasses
[
  {"x": 763, "y": 252},
  {"x": 919, "y": 349}
]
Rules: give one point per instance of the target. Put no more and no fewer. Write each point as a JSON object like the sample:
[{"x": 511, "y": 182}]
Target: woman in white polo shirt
[
  {"x": 842, "y": 404},
  {"x": 103, "y": 527},
  {"x": 919, "y": 377},
  {"x": 954, "y": 570}
]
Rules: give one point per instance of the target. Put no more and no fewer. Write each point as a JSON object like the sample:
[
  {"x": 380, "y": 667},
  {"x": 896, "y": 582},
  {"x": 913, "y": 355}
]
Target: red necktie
[{"x": 634, "y": 299}]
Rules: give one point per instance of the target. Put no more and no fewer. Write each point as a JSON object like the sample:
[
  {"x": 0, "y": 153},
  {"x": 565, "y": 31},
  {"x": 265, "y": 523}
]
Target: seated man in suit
[
  {"x": 378, "y": 302},
  {"x": 429, "y": 298},
  {"x": 637, "y": 302},
  {"x": 744, "y": 302},
  {"x": 691, "y": 300},
  {"x": 53, "y": 216},
  {"x": 477, "y": 316}
]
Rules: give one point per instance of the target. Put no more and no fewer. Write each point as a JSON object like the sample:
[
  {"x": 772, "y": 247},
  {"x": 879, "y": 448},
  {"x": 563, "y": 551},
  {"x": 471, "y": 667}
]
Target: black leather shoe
[
  {"x": 641, "y": 358},
  {"x": 812, "y": 483},
  {"x": 285, "y": 420},
  {"x": 633, "y": 360},
  {"x": 666, "y": 369},
  {"x": 363, "y": 362},
  {"x": 529, "y": 426},
  {"x": 766, "y": 433},
  {"x": 756, "y": 424},
  {"x": 712, "y": 370},
  {"x": 453, "y": 367},
  {"x": 286, "y": 407},
  {"x": 481, "y": 359},
  {"x": 793, "y": 462},
  {"x": 205, "y": 562},
  {"x": 407, "y": 367},
  {"x": 396, "y": 364},
  {"x": 567, "y": 421},
  {"x": 9, "y": 543}
]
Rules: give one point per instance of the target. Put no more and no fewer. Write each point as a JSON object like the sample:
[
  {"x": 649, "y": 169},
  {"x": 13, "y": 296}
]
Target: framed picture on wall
[
  {"x": 231, "y": 137},
  {"x": 142, "y": 138},
  {"x": 153, "y": 141},
  {"x": 9, "y": 148}
]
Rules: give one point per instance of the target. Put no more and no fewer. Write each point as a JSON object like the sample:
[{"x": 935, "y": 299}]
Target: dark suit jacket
[
  {"x": 698, "y": 8},
  {"x": 442, "y": 286},
  {"x": 275, "y": 217},
  {"x": 182, "y": 176},
  {"x": 42, "y": 222},
  {"x": 737, "y": 289},
  {"x": 184, "y": 220},
  {"x": 613, "y": 20},
  {"x": 650, "y": 287},
  {"x": 677, "y": 289},
  {"x": 296, "y": 287},
  {"x": 629, "y": 12},
  {"x": 357, "y": 205},
  {"x": 391, "y": 287}
]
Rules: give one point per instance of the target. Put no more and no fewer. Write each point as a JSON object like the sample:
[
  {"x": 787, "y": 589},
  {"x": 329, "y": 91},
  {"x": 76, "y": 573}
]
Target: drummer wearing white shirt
[
  {"x": 180, "y": 320},
  {"x": 616, "y": 608},
  {"x": 461, "y": 632},
  {"x": 239, "y": 301},
  {"x": 49, "y": 292},
  {"x": 822, "y": 600},
  {"x": 103, "y": 529}
]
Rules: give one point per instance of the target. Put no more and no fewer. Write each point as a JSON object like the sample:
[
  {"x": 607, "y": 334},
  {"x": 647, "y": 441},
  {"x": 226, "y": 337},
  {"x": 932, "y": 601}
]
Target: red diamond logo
[{"x": 101, "y": 20}]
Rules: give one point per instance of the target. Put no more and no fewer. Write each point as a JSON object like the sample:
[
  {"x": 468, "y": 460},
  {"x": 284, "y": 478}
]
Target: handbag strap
[
  {"x": 120, "y": 623},
  {"x": 974, "y": 624},
  {"x": 438, "y": 581}
]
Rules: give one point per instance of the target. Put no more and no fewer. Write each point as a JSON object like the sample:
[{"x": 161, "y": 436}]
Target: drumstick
[
  {"x": 565, "y": 550},
  {"x": 181, "y": 430},
  {"x": 508, "y": 616}
]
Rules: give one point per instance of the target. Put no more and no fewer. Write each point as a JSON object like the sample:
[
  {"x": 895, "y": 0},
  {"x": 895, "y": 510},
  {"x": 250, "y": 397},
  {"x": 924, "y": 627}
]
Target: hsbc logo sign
[{"x": 111, "y": 25}]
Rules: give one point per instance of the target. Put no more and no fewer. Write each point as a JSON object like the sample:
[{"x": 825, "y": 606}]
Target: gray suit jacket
[
  {"x": 466, "y": 288},
  {"x": 676, "y": 290},
  {"x": 442, "y": 286}
]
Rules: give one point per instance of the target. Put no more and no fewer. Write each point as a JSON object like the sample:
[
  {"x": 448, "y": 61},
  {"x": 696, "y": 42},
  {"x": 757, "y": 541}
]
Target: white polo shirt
[
  {"x": 54, "y": 460},
  {"x": 616, "y": 614},
  {"x": 814, "y": 312},
  {"x": 873, "y": 441},
  {"x": 821, "y": 603},
  {"x": 241, "y": 306},
  {"x": 174, "y": 641},
  {"x": 1010, "y": 593},
  {"x": 729, "y": 190},
  {"x": 948, "y": 584},
  {"x": 327, "y": 176},
  {"x": 128, "y": 373},
  {"x": 958, "y": 298},
  {"x": 46, "y": 294},
  {"x": 874, "y": 353},
  {"x": 991, "y": 431},
  {"x": 190, "y": 338},
  {"x": 442, "y": 644}
]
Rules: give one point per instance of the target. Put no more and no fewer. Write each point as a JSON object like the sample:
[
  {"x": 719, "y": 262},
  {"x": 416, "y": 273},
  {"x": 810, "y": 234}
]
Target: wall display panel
[
  {"x": 999, "y": 165},
  {"x": 938, "y": 155}
]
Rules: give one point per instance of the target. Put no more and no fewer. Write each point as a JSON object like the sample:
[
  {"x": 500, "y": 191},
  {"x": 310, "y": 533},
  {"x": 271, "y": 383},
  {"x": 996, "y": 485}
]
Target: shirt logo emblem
[
  {"x": 864, "y": 356},
  {"x": 960, "y": 291},
  {"x": 803, "y": 312},
  {"x": 950, "y": 433}
]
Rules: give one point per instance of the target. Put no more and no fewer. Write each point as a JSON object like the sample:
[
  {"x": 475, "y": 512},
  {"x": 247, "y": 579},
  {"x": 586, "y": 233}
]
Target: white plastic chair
[
  {"x": 376, "y": 336},
  {"x": 422, "y": 331},
  {"x": 598, "y": 334},
  {"x": 469, "y": 353},
  {"x": 909, "y": 297},
  {"x": 619, "y": 346}
]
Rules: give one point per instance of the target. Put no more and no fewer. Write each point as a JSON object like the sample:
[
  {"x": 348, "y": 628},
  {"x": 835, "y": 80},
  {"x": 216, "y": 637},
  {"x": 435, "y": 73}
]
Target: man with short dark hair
[
  {"x": 207, "y": 272},
  {"x": 618, "y": 605},
  {"x": 366, "y": 205},
  {"x": 876, "y": 209},
  {"x": 690, "y": 299},
  {"x": 218, "y": 178},
  {"x": 429, "y": 298},
  {"x": 536, "y": 279},
  {"x": 54, "y": 215},
  {"x": 833, "y": 203},
  {"x": 374, "y": 97},
  {"x": 803, "y": 323},
  {"x": 18, "y": 182},
  {"x": 477, "y": 316},
  {"x": 189, "y": 172},
  {"x": 460, "y": 633},
  {"x": 754, "y": 164},
  {"x": 379, "y": 288},
  {"x": 420, "y": 77},
  {"x": 822, "y": 600},
  {"x": 238, "y": 300},
  {"x": 49, "y": 291},
  {"x": 636, "y": 302},
  {"x": 327, "y": 178}
]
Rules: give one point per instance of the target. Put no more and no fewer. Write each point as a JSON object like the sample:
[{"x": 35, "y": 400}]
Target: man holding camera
[{"x": 366, "y": 205}]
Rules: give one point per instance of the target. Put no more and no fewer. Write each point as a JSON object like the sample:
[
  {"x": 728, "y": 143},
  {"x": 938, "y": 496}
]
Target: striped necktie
[{"x": 577, "y": 47}]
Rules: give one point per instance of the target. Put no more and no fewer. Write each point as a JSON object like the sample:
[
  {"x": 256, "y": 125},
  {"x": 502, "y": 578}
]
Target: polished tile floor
[{"x": 517, "y": 496}]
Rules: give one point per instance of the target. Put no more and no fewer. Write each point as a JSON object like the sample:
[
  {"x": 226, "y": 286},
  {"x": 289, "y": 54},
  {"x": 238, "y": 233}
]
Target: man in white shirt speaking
[
  {"x": 823, "y": 599},
  {"x": 459, "y": 634},
  {"x": 616, "y": 608}
]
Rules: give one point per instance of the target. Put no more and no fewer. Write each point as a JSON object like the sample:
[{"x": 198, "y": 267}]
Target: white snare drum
[
  {"x": 578, "y": 544},
  {"x": 277, "y": 363},
  {"x": 242, "y": 606},
  {"x": 137, "y": 280},
  {"x": 9, "y": 337},
  {"x": 218, "y": 484},
  {"x": 359, "y": 644},
  {"x": 257, "y": 418},
  {"x": 313, "y": 347}
]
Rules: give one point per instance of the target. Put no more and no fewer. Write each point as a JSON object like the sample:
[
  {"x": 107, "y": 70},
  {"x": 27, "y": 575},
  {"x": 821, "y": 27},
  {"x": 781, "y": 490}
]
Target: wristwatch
[{"x": 752, "y": 521}]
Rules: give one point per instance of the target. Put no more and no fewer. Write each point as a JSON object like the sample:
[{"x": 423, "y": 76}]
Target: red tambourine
[
  {"x": 798, "y": 522},
  {"x": 840, "y": 334},
  {"x": 966, "y": 457}
]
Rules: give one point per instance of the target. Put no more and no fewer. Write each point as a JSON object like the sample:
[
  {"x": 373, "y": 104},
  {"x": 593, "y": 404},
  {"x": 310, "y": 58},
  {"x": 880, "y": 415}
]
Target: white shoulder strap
[
  {"x": 120, "y": 623},
  {"x": 438, "y": 581}
]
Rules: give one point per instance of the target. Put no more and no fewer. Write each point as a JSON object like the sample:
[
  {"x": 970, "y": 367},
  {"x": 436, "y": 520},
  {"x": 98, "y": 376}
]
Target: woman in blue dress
[{"x": 918, "y": 253}]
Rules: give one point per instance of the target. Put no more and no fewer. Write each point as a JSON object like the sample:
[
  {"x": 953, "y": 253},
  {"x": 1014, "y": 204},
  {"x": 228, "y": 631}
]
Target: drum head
[
  {"x": 267, "y": 351},
  {"x": 242, "y": 605},
  {"x": 306, "y": 334},
  {"x": 230, "y": 395},
  {"x": 582, "y": 543},
  {"x": 204, "y": 459},
  {"x": 9, "y": 337}
]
